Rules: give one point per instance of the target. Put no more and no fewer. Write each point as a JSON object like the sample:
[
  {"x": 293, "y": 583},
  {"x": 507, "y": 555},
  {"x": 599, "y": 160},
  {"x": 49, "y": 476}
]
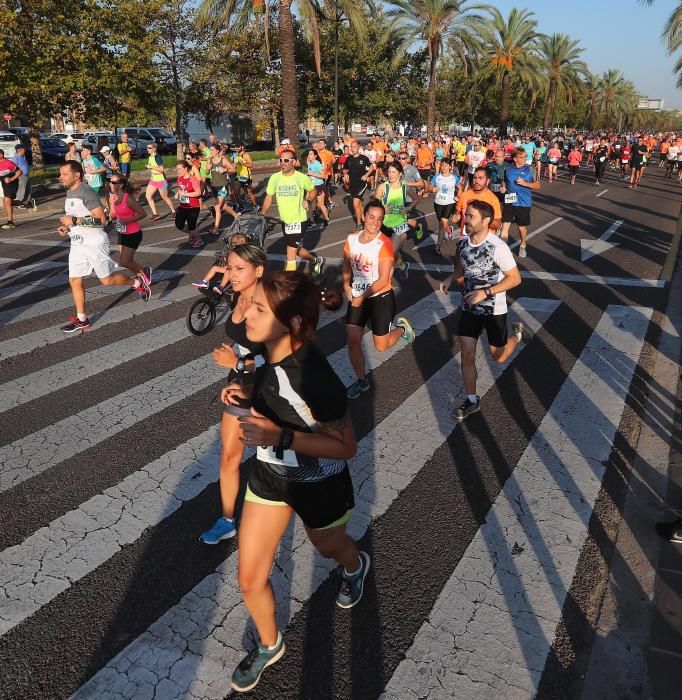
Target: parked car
[
  {"x": 142, "y": 136},
  {"x": 169, "y": 142},
  {"x": 97, "y": 139},
  {"x": 53, "y": 150},
  {"x": 75, "y": 136},
  {"x": 9, "y": 142}
]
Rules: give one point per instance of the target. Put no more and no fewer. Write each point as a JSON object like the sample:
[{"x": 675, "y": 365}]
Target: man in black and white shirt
[
  {"x": 486, "y": 269},
  {"x": 84, "y": 225}
]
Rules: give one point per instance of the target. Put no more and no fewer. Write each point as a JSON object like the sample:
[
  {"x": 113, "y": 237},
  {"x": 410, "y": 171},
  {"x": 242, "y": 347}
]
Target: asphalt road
[{"x": 490, "y": 540}]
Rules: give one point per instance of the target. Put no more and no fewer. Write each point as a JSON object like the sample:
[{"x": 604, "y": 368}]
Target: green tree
[
  {"x": 511, "y": 51},
  {"x": 672, "y": 36}
]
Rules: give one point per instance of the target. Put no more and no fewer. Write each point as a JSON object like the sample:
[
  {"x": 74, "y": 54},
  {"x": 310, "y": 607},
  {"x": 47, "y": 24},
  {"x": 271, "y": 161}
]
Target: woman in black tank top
[
  {"x": 245, "y": 265},
  {"x": 218, "y": 168}
]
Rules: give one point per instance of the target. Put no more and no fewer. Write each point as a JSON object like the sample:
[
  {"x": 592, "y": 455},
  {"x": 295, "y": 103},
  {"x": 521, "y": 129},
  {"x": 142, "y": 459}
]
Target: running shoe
[
  {"x": 9, "y": 224},
  {"x": 358, "y": 227},
  {"x": 156, "y": 217},
  {"x": 222, "y": 529},
  {"x": 420, "y": 232},
  {"x": 143, "y": 289},
  {"x": 196, "y": 243},
  {"x": 467, "y": 408},
  {"x": 359, "y": 386},
  {"x": 526, "y": 335},
  {"x": 403, "y": 272},
  {"x": 408, "y": 332},
  {"x": 318, "y": 265},
  {"x": 248, "y": 673},
  {"x": 148, "y": 274},
  {"x": 34, "y": 206},
  {"x": 352, "y": 587},
  {"x": 76, "y": 325},
  {"x": 522, "y": 251},
  {"x": 670, "y": 531},
  {"x": 331, "y": 205},
  {"x": 218, "y": 289},
  {"x": 200, "y": 285}
]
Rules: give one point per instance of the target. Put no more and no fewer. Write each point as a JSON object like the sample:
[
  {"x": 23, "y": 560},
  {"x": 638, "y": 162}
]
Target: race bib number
[
  {"x": 360, "y": 286},
  {"x": 495, "y": 188},
  {"x": 443, "y": 198},
  {"x": 625, "y": 162},
  {"x": 120, "y": 228},
  {"x": 76, "y": 238},
  {"x": 510, "y": 198},
  {"x": 401, "y": 229},
  {"x": 184, "y": 199},
  {"x": 242, "y": 178},
  {"x": 293, "y": 228},
  {"x": 553, "y": 160},
  {"x": 602, "y": 159}
]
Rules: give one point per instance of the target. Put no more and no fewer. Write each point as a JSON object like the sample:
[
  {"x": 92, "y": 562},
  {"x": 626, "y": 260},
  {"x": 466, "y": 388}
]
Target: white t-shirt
[
  {"x": 81, "y": 202},
  {"x": 364, "y": 261},
  {"x": 475, "y": 159},
  {"x": 447, "y": 189}
]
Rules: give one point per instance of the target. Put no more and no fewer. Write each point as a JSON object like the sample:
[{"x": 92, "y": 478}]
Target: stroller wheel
[{"x": 201, "y": 316}]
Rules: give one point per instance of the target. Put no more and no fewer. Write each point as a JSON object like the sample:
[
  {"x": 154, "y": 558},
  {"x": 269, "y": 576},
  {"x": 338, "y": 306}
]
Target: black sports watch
[
  {"x": 488, "y": 292},
  {"x": 240, "y": 366},
  {"x": 285, "y": 440}
]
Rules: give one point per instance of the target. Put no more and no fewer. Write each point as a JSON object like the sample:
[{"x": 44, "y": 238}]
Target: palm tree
[
  {"x": 560, "y": 58},
  {"x": 236, "y": 14},
  {"x": 432, "y": 22},
  {"x": 591, "y": 85},
  {"x": 611, "y": 88},
  {"x": 511, "y": 50},
  {"x": 672, "y": 35}
]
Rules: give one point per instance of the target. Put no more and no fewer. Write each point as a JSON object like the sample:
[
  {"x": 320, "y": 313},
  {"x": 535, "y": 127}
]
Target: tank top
[
  {"x": 218, "y": 179},
  {"x": 236, "y": 332},
  {"x": 185, "y": 185},
  {"x": 123, "y": 211},
  {"x": 394, "y": 200},
  {"x": 243, "y": 172},
  {"x": 156, "y": 175}
]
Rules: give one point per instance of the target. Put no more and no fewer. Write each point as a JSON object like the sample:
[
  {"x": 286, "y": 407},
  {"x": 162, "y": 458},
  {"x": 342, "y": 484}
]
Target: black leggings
[
  {"x": 599, "y": 169},
  {"x": 186, "y": 215}
]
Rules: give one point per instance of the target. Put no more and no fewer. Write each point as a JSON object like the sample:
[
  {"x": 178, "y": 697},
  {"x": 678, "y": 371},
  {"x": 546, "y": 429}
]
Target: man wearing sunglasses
[
  {"x": 292, "y": 191},
  {"x": 357, "y": 171}
]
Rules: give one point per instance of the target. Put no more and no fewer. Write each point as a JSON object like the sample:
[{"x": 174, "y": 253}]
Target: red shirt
[
  {"x": 574, "y": 158},
  {"x": 7, "y": 168},
  {"x": 188, "y": 184}
]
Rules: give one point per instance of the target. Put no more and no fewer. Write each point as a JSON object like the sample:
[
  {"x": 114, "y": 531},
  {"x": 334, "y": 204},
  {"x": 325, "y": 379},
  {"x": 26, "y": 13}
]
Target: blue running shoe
[
  {"x": 203, "y": 284},
  {"x": 248, "y": 673},
  {"x": 352, "y": 587},
  {"x": 359, "y": 386},
  {"x": 223, "y": 529},
  {"x": 408, "y": 333}
]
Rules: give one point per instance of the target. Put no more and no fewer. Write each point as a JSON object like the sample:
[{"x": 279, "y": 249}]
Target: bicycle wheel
[{"x": 201, "y": 317}]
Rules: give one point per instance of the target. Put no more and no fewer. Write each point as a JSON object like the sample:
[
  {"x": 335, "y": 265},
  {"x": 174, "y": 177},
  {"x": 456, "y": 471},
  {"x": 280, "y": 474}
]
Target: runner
[
  {"x": 303, "y": 435},
  {"x": 541, "y": 159},
  {"x": 367, "y": 273},
  {"x": 424, "y": 163},
  {"x": 23, "y": 195},
  {"x": 640, "y": 151},
  {"x": 316, "y": 172},
  {"x": 204, "y": 156},
  {"x": 601, "y": 155},
  {"x": 84, "y": 225},
  {"x": 553, "y": 158},
  {"x": 518, "y": 198},
  {"x": 459, "y": 149},
  {"x": 447, "y": 187},
  {"x": 124, "y": 153},
  {"x": 72, "y": 152},
  {"x": 496, "y": 170},
  {"x": 356, "y": 173},
  {"x": 292, "y": 192},
  {"x": 625, "y": 155},
  {"x": 328, "y": 159},
  {"x": 219, "y": 167},
  {"x": 94, "y": 171},
  {"x": 189, "y": 196},
  {"x": 244, "y": 163},
  {"x": 475, "y": 158},
  {"x": 126, "y": 213},
  {"x": 486, "y": 269},
  {"x": 479, "y": 190},
  {"x": 157, "y": 182},
  {"x": 574, "y": 159},
  {"x": 9, "y": 176},
  {"x": 245, "y": 267},
  {"x": 393, "y": 195}
]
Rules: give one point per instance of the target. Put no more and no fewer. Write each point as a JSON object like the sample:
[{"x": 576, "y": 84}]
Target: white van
[{"x": 9, "y": 143}]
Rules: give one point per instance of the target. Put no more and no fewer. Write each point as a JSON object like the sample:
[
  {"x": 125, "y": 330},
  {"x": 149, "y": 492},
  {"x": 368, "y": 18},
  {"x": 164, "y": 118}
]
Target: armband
[{"x": 285, "y": 440}]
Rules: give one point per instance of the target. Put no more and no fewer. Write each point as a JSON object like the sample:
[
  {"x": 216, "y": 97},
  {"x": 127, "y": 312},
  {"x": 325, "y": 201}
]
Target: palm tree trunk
[
  {"x": 549, "y": 105},
  {"x": 36, "y": 151},
  {"x": 289, "y": 89},
  {"x": 593, "y": 109},
  {"x": 504, "y": 109},
  {"x": 431, "y": 114}
]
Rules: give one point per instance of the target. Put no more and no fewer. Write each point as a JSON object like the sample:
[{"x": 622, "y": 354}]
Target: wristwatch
[
  {"x": 285, "y": 440},
  {"x": 240, "y": 366},
  {"x": 488, "y": 292},
  {"x": 74, "y": 221}
]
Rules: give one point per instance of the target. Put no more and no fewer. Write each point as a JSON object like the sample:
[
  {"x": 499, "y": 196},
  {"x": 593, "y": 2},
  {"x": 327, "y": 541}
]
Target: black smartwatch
[
  {"x": 488, "y": 292},
  {"x": 285, "y": 440},
  {"x": 240, "y": 366}
]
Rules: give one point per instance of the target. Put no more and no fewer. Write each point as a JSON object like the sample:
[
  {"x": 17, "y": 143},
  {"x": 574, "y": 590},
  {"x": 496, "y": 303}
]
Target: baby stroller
[{"x": 247, "y": 228}]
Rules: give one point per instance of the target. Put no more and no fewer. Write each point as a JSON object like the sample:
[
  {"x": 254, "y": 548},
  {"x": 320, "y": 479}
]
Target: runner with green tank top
[
  {"x": 157, "y": 182},
  {"x": 393, "y": 195}
]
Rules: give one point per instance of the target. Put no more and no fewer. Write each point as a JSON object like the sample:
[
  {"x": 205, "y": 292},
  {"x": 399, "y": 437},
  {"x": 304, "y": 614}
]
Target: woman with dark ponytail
[{"x": 300, "y": 427}]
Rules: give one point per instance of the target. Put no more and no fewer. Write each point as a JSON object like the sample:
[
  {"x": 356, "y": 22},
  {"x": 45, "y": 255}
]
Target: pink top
[{"x": 123, "y": 211}]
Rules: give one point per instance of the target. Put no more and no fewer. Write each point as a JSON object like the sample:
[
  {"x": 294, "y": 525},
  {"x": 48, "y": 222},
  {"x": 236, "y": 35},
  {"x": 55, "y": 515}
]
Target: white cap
[
  {"x": 285, "y": 142},
  {"x": 105, "y": 148}
]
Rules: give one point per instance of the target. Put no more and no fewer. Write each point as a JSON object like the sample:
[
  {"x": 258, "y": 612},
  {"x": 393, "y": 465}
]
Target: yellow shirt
[{"x": 124, "y": 152}]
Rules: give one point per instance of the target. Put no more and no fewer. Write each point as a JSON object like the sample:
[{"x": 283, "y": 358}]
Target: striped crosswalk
[{"x": 76, "y": 575}]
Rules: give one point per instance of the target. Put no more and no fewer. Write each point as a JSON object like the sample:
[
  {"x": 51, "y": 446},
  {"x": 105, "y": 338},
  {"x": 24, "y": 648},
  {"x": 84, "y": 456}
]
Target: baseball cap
[
  {"x": 105, "y": 149},
  {"x": 285, "y": 142}
]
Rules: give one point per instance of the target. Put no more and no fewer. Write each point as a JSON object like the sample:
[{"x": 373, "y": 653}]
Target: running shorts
[
  {"x": 573, "y": 170},
  {"x": 10, "y": 189},
  {"x": 472, "y": 325},
  {"x": 444, "y": 211},
  {"x": 94, "y": 257},
  {"x": 518, "y": 215},
  {"x": 380, "y": 310},
  {"x": 295, "y": 240},
  {"x": 320, "y": 189},
  {"x": 358, "y": 189},
  {"x": 320, "y": 504},
  {"x": 425, "y": 174},
  {"x": 186, "y": 215},
  {"x": 130, "y": 240}
]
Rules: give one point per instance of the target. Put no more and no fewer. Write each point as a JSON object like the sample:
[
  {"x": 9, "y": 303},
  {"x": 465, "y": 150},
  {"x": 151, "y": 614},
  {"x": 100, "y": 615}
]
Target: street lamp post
[{"x": 337, "y": 19}]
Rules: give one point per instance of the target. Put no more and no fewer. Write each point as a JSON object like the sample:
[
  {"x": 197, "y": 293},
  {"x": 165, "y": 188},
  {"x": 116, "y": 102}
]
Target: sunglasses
[
  {"x": 115, "y": 182},
  {"x": 286, "y": 160},
  {"x": 403, "y": 157}
]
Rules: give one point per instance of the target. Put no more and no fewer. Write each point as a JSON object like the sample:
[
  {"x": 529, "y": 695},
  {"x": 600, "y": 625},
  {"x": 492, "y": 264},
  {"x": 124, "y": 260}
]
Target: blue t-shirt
[
  {"x": 529, "y": 148},
  {"x": 316, "y": 167},
  {"x": 22, "y": 164},
  {"x": 524, "y": 196},
  {"x": 542, "y": 152}
]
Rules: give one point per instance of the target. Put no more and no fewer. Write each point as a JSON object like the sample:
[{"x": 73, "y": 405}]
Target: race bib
[
  {"x": 495, "y": 188},
  {"x": 360, "y": 286},
  {"x": 76, "y": 238},
  {"x": 443, "y": 198},
  {"x": 184, "y": 199},
  {"x": 401, "y": 229},
  {"x": 120, "y": 228},
  {"x": 602, "y": 159},
  {"x": 242, "y": 178},
  {"x": 625, "y": 162},
  {"x": 510, "y": 198},
  {"x": 553, "y": 160},
  {"x": 293, "y": 228}
]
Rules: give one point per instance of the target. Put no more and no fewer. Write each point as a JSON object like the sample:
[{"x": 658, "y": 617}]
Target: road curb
[{"x": 671, "y": 259}]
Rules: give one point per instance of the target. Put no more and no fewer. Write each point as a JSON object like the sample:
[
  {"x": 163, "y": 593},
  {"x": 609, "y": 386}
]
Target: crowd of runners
[{"x": 281, "y": 396}]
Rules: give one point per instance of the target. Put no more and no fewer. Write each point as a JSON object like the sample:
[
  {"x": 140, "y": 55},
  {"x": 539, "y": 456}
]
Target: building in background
[{"x": 653, "y": 103}]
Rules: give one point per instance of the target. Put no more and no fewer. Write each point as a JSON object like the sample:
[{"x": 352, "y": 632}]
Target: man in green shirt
[{"x": 292, "y": 191}]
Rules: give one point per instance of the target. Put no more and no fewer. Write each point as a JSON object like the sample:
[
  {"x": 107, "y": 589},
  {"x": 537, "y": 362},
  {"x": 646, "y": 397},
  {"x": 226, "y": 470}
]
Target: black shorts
[
  {"x": 317, "y": 503},
  {"x": 637, "y": 166},
  {"x": 444, "y": 211},
  {"x": 573, "y": 170},
  {"x": 244, "y": 183},
  {"x": 295, "y": 240},
  {"x": 186, "y": 215},
  {"x": 130, "y": 240},
  {"x": 472, "y": 325},
  {"x": 320, "y": 189},
  {"x": 10, "y": 189},
  {"x": 380, "y": 310},
  {"x": 518, "y": 215},
  {"x": 425, "y": 174},
  {"x": 358, "y": 189}
]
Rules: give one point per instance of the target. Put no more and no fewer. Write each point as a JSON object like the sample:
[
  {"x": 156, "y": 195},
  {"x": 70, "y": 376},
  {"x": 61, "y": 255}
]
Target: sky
[{"x": 620, "y": 34}]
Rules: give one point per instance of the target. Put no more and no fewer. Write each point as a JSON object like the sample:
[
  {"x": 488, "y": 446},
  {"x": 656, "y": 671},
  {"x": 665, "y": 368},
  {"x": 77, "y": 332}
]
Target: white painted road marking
[
  {"x": 601, "y": 193},
  {"x": 542, "y": 228},
  {"x": 194, "y": 646},
  {"x": 490, "y": 631},
  {"x": 589, "y": 247}
]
